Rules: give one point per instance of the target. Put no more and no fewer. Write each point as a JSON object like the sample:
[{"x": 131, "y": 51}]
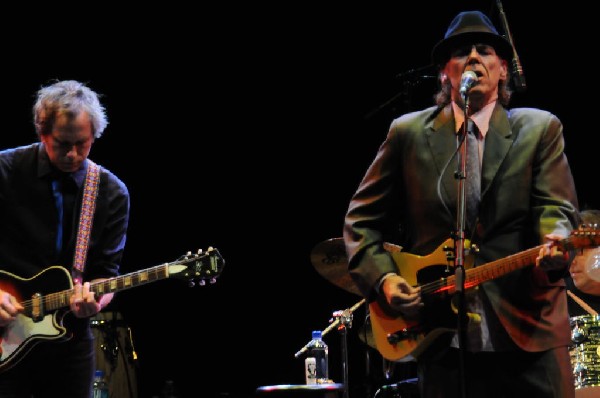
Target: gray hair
[
  {"x": 443, "y": 96},
  {"x": 68, "y": 97}
]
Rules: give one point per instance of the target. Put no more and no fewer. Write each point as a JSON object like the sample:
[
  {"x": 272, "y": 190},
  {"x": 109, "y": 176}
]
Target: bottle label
[
  {"x": 100, "y": 393},
  {"x": 310, "y": 369}
]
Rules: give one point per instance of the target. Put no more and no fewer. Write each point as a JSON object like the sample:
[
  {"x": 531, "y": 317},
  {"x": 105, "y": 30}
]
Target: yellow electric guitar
[{"x": 399, "y": 339}]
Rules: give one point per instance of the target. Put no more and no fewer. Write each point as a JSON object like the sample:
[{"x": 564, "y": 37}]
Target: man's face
[
  {"x": 487, "y": 65},
  {"x": 581, "y": 279},
  {"x": 70, "y": 141}
]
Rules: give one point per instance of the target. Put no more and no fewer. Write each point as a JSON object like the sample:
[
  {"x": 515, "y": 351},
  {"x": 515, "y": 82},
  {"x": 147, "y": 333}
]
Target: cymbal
[{"x": 331, "y": 262}]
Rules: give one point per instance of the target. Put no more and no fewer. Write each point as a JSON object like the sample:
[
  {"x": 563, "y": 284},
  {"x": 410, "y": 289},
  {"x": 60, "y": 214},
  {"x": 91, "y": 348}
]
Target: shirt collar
[{"x": 481, "y": 118}]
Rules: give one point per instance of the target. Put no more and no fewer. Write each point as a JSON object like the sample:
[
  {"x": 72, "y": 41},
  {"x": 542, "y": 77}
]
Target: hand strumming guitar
[
  {"x": 401, "y": 296},
  {"x": 9, "y": 308}
]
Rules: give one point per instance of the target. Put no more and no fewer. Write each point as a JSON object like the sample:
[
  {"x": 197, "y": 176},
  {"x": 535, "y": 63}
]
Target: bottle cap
[
  {"x": 99, "y": 373},
  {"x": 316, "y": 334}
]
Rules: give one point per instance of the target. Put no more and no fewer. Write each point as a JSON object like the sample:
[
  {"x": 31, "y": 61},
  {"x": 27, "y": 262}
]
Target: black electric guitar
[
  {"x": 45, "y": 302},
  {"x": 399, "y": 339}
]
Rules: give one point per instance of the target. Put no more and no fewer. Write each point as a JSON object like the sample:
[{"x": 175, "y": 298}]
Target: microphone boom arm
[{"x": 517, "y": 70}]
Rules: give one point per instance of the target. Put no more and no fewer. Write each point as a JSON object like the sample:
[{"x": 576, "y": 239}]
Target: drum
[
  {"x": 585, "y": 354},
  {"x": 115, "y": 354}
]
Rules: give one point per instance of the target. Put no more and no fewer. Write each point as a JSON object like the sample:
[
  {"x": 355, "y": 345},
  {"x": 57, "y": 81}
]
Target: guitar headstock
[
  {"x": 584, "y": 236},
  {"x": 197, "y": 268}
]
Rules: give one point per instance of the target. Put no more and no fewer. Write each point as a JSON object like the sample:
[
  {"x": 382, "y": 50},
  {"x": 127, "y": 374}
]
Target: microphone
[
  {"x": 467, "y": 81},
  {"x": 409, "y": 386}
]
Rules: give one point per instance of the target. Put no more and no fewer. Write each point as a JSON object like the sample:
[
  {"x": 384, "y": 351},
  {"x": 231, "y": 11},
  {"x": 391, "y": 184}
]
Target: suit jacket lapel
[
  {"x": 498, "y": 141},
  {"x": 442, "y": 141}
]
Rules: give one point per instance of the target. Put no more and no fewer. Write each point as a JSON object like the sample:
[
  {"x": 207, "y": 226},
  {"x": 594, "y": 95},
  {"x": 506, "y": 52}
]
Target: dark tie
[
  {"x": 473, "y": 182},
  {"x": 58, "y": 197},
  {"x": 65, "y": 191}
]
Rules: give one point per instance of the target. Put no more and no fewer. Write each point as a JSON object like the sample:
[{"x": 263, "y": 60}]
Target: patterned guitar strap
[{"x": 84, "y": 229}]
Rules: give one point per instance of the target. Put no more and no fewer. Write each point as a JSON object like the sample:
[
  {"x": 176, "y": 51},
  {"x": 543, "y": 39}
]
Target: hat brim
[{"x": 441, "y": 52}]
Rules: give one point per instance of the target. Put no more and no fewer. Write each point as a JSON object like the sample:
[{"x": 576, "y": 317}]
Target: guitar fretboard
[
  {"x": 54, "y": 301},
  {"x": 498, "y": 268}
]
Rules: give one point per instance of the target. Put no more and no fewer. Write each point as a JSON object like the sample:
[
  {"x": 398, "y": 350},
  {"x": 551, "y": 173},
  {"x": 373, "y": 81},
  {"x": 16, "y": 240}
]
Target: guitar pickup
[{"x": 37, "y": 308}]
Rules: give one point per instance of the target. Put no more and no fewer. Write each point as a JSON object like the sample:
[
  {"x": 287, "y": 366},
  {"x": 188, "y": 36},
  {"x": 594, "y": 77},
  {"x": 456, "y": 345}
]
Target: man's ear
[{"x": 504, "y": 71}]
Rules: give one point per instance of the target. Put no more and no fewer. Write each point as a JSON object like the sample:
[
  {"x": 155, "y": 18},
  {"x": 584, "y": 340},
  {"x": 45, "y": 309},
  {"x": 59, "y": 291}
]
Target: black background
[{"x": 248, "y": 128}]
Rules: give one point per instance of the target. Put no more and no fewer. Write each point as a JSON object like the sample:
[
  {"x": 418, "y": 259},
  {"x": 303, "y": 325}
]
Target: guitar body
[
  {"x": 410, "y": 337},
  {"x": 31, "y": 326}
]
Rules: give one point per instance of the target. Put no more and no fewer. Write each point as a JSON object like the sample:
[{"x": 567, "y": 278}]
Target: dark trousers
[
  {"x": 52, "y": 370},
  {"x": 512, "y": 374}
]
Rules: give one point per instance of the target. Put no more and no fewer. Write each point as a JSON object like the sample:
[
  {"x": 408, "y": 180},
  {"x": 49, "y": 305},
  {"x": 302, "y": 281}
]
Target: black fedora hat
[{"x": 470, "y": 27}]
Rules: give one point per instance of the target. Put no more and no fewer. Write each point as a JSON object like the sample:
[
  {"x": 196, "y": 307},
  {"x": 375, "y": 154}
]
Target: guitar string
[
  {"x": 54, "y": 300},
  {"x": 477, "y": 275}
]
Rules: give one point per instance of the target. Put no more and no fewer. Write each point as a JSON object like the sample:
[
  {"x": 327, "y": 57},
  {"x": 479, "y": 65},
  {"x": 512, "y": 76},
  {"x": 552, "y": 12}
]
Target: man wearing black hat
[{"x": 516, "y": 343}]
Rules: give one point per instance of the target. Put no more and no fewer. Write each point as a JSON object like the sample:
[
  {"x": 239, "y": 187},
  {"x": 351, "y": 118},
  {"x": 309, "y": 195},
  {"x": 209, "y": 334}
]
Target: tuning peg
[
  {"x": 201, "y": 282},
  {"x": 199, "y": 251},
  {"x": 191, "y": 284},
  {"x": 213, "y": 280}
]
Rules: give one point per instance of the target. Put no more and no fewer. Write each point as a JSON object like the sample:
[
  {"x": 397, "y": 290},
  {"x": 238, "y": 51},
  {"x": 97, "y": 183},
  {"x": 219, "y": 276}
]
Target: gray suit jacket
[{"x": 409, "y": 195}]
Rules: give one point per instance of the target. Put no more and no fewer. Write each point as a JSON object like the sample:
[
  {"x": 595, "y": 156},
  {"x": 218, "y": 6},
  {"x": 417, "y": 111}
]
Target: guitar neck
[
  {"x": 54, "y": 301},
  {"x": 495, "y": 269},
  {"x": 195, "y": 268},
  {"x": 498, "y": 268}
]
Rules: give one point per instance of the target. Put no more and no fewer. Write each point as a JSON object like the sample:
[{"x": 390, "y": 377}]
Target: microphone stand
[
  {"x": 343, "y": 319},
  {"x": 409, "y": 79},
  {"x": 517, "y": 70},
  {"x": 459, "y": 246}
]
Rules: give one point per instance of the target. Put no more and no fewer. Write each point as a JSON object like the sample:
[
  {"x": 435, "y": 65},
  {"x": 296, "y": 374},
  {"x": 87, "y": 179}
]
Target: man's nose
[
  {"x": 72, "y": 151},
  {"x": 473, "y": 54},
  {"x": 574, "y": 260}
]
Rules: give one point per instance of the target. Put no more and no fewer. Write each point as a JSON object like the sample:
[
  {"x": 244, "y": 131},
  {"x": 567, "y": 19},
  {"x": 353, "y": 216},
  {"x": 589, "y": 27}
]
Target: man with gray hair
[{"x": 64, "y": 224}]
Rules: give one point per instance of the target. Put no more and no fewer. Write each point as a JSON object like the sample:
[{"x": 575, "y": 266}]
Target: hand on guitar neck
[
  {"x": 551, "y": 257},
  {"x": 84, "y": 303}
]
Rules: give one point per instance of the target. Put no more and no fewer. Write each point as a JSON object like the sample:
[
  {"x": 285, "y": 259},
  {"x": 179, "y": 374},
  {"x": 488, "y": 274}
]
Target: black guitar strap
[{"x": 88, "y": 207}]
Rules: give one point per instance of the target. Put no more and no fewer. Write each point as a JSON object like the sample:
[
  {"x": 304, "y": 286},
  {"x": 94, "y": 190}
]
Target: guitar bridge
[{"x": 400, "y": 335}]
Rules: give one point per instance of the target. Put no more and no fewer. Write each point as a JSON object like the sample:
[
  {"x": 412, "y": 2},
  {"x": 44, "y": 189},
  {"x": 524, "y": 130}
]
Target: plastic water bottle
[
  {"x": 100, "y": 387},
  {"x": 316, "y": 362}
]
